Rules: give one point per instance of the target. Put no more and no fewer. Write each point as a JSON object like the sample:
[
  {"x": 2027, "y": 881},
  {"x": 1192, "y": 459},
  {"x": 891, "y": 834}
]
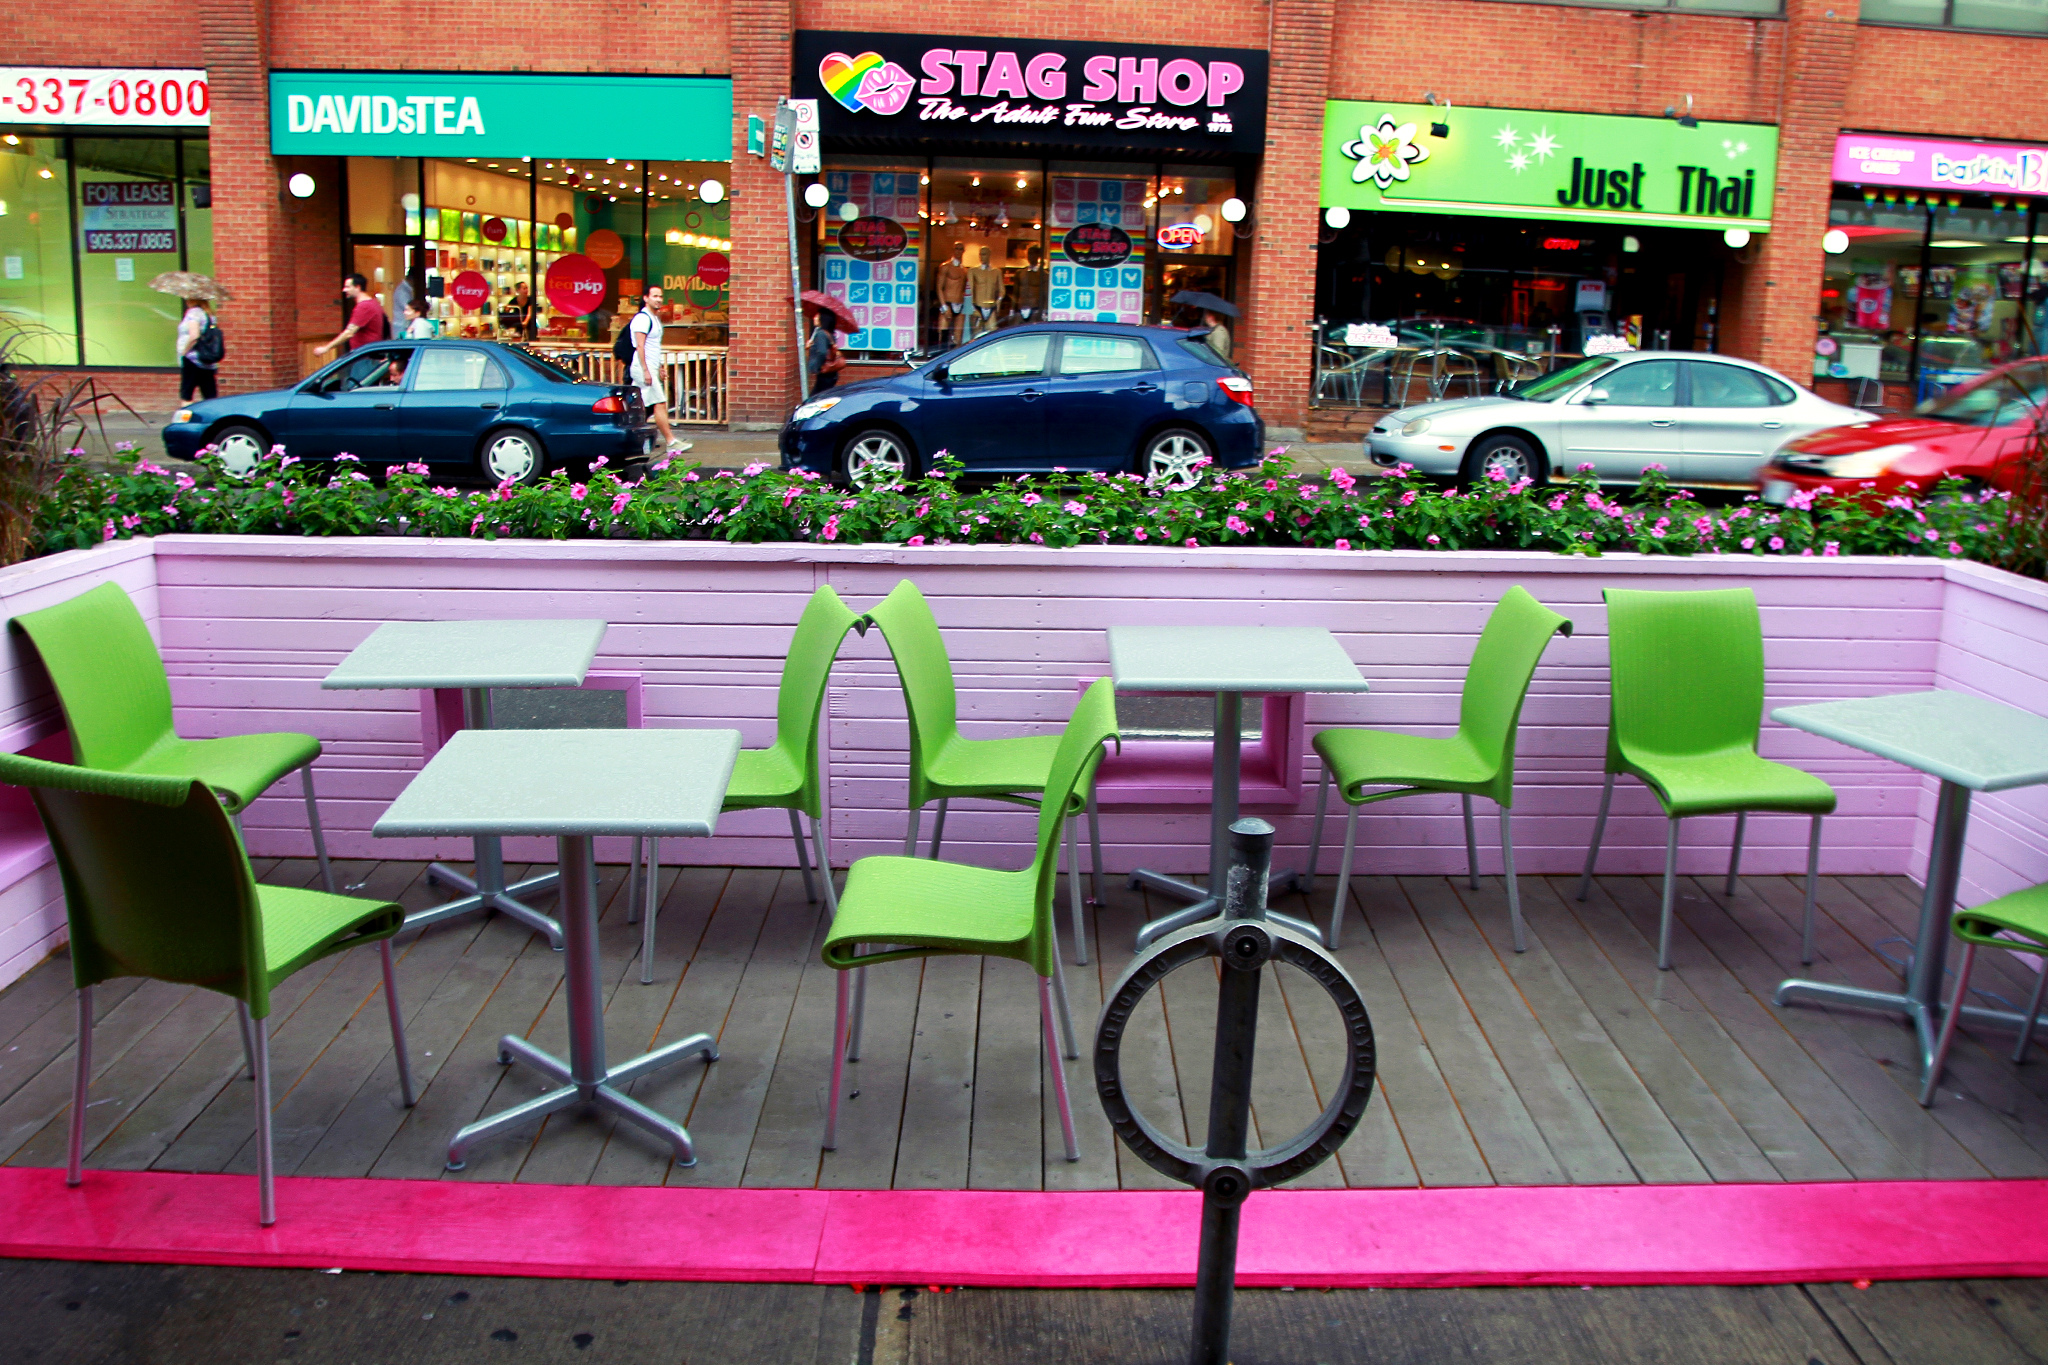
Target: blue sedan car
[
  {"x": 1153, "y": 401},
  {"x": 478, "y": 407}
]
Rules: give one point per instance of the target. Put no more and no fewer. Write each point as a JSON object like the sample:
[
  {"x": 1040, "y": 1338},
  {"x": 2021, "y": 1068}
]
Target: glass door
[{"x": 395, "y": 266}]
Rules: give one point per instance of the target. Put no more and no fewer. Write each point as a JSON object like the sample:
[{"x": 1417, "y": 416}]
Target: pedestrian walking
[
  {"x": 366, "y": 320},
  {"x": 1219, "y": 333},
  {"x": 198, "y": 353},
  {"x": 821, "y": 353},
  {"x": 418, "y": 327},
  {"x": 646, "y": 370}
]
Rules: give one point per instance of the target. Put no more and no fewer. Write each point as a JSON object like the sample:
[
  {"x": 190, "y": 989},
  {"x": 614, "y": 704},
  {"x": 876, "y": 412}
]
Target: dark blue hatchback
[
  {"x": 1153, "y": 401},
  {"x": 497, "y": 411}
]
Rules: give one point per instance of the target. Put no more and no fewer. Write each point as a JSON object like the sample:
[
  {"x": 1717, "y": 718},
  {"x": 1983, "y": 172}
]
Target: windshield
[
  {"x": 1547, "y": 388},
  {"x": 2015, "y": 396}
]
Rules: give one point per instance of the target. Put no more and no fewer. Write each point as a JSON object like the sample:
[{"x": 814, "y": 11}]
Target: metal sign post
[
  {"x": 1223, "y": 1169},
  {"x": 779, "y": 148}
]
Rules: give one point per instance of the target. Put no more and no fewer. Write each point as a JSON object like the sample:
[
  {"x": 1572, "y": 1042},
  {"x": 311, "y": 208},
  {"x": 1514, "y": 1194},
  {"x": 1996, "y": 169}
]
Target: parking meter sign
[{"x": 784, "y": 137}]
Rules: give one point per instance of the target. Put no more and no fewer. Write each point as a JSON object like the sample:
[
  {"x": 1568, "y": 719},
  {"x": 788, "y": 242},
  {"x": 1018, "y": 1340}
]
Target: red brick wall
[
  {"x": 641, "y": 37},
  {"x": 761, "y": 378},
  {"x": 1195, "y": 23},
  {"x": 1948, "y": 84},
  {"x": 118, "y": 33}
]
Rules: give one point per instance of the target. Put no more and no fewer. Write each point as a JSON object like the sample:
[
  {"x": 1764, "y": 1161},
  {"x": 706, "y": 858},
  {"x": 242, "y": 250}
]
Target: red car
[{"x": 1981, "y": 431}]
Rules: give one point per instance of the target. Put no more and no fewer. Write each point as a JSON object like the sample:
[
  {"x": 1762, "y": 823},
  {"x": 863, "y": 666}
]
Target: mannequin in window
[
  {"x": 1031, "y": 286},
  {"x": 951, "y": 283},
  {"x": 985, "y": 282}
]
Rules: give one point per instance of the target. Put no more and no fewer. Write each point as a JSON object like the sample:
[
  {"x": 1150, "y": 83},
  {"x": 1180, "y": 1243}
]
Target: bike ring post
[{"x": 1223, "y": 1169}]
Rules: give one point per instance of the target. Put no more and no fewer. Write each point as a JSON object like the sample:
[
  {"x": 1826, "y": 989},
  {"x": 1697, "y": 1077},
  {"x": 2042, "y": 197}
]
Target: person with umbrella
[
  {"x": 1216, "y": 313},
  {"x": 826, "y": 316},
  {"x": 199, "y": 343}
]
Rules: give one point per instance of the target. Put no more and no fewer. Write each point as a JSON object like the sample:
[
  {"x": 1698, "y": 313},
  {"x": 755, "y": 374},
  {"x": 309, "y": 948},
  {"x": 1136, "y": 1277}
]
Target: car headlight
[
  {"x": 1863, "y": 464},
  {"x": 1416, "y": 427},
  {"x": 806, "y": 411},
  {"x": 182, "y": 415}
]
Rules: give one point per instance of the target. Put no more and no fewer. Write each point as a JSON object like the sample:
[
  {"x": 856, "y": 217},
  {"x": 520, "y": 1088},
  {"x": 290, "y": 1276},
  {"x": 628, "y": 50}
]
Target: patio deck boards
[{"x": 1575, "y": 1063}]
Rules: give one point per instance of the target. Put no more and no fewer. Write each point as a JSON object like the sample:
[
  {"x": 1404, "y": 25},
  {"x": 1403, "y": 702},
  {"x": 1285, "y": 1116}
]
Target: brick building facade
[{"x": 1811, "y": 71}]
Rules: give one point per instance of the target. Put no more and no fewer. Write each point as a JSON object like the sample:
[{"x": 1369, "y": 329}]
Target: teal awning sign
[{"x": 403, "y": 113}]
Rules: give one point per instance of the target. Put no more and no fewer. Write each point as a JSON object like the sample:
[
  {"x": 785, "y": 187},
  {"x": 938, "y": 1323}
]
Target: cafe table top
[
  {"x": 556, "y": 653},
  {"x": 1230, "y": 659},
  {"x": 1968, "y": 740}
]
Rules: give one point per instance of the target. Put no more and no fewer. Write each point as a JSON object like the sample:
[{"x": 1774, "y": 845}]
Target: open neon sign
[{"x": 1179, "y": 237}]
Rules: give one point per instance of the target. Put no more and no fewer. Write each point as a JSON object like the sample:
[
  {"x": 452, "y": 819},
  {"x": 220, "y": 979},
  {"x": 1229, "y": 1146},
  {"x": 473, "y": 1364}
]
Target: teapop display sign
[{"x": 912, "y": 86}]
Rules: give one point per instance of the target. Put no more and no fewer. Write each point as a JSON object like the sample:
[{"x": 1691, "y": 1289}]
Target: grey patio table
[
  {"x": 476, "y": 656},
  {"x": 575, "y": 785},
  {"x": 1228, "y": 661},
  {"x": 1971, "y": 744}
]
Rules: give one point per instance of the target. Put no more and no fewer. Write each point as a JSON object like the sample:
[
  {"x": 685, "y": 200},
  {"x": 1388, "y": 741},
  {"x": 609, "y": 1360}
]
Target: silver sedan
[{"x": 1705, "y": 418}]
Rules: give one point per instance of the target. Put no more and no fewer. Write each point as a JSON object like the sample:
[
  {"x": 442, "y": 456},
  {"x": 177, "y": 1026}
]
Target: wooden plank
[
  {"x": 1508, "y": 1136},
  {"x": 1715, "y": 1136},
  {"x": 938, "y": 1098},
  {"x": 1097, "y": 1168},
  {"x": 1572, "y": 1127},
  {"x": 1770, "y": 1120},
  {"x": 1006, "y": 1141},
  {"x": 1150, "y": 1085},
  {"x": 48, "y": 1038},
  {"x": 46, "y": 1096},
  {"x": 1285, "y": 1097},
  {"x": 1914, "y": 1320},
  {"x": 2019, "y": 1307},
  {"x": 44, "y": 987}
]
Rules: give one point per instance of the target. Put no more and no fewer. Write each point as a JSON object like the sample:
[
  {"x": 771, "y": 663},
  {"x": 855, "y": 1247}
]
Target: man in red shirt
[{"x": 365, "y": 317}]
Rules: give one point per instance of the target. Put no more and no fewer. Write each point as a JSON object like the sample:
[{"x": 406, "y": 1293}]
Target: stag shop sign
[
  {"x": 923, "y": 87},
  {"x": 1530, "y": 163}
]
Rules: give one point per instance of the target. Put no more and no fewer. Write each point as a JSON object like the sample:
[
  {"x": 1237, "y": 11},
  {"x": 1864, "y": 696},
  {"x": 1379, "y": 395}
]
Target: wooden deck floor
[{"x": 1577, "y": 1062}]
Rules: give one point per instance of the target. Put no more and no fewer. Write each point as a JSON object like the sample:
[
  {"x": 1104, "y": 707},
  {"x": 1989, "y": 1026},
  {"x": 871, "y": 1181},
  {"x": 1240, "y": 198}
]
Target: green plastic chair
[
  {"x": 1686, "y": 705},
  {"x": 2024, "y": 913},
  {"x": 157, "y": 885},
  {"x": 117, "y": 702},
  {"x": 788, "y": 773},
  {"x": 944, "y": 763},
  {"x": 922, "y": 907},
  {"x": 1477, "y": 761}
]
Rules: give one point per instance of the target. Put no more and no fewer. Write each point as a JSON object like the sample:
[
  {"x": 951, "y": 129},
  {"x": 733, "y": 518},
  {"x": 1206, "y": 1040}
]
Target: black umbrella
[{"x": 1208, "y": 303}]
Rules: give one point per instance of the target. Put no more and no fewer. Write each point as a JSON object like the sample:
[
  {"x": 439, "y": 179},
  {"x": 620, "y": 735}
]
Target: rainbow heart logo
[{"x": 841, "y": 76}]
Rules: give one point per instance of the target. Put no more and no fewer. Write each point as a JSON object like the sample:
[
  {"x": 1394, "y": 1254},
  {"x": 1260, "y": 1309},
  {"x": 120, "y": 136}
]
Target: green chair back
[
  {"x": 1497, "y": 681},
  {"x": 155, "y": 881},
  {"x": 926, "y": 673},
  {"x": 1687, "y": 673},
  {"x": 801, "y": 697},
  {"x": 1092, "y": 726},
  {"x": 109, "y": 676}
]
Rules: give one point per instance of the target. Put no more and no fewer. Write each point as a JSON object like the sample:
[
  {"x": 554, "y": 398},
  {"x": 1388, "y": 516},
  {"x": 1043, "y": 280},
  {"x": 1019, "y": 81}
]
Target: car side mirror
[
  {"x": 939, "y": 375},
  {"x": 1594, "y": 397}
]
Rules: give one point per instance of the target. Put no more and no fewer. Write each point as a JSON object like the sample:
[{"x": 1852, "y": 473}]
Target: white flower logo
[{"x": 1384, "y": 153}]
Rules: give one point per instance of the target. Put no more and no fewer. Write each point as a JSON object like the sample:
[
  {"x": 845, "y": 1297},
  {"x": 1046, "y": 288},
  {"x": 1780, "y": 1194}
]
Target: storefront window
[
  {"x": 870, "y": 240},
  {"x": 689, "y": 250},
  {"x": 1195, "y": 240},
  {"x": 37, "y": 306},
  {"x": 197, "y": 156},
  {"x": 2010, "y": 16}
]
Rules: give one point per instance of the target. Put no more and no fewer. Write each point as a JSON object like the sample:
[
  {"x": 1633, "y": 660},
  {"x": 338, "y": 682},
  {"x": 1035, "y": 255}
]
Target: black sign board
[
  {"x": 913, "y": 87},
  {"x": 1097, "y": 244},
  {"x": 872, "y": 239}
]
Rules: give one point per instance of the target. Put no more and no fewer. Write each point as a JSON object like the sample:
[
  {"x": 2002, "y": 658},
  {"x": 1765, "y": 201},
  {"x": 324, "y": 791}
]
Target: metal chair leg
[
  {"x": 838, "y": 1062},
  {"x": 1471, "y": 843},
  {"x": 1072, "y": 1047},
  {"x": 266, "y": 1172},
  {"x": 2019, "y": 1049},
  {"x": 910, "y": 834},
  {"x": 1948, "y": 1025},
  {"x": 1812, "y": 876},
  {"x": 648, "y": 908},
  {"x": 1670, "y": 887},
  {"x": 825, "y": 866},
  {"x": 1315, "y": 838},
  {"x": 1507, "y": 866},
  {"x": 397, "y": 1016},
  {"x": 248, "y": 1050},
  {"x": 1059, "y": 1071},
  {"x": 81, "y": 1077},
  {"x": 860, "y": 1012},
  {"x": 803, "y": 859},
  {"x": 1074, "y": 897},
  {"x": 1095, "y": 848},
  {"x": 633, "y": 881},
  {"x": 1599, "y": 829},
  {"x": 939, "y": 827},
  {"x": 1343, "y": 879},
  {"x": 1735, "y": 852},
  {"x": 319, "y": 835}
]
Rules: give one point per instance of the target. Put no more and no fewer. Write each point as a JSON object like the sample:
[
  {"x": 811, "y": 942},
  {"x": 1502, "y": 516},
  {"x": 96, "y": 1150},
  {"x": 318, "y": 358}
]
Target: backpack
[
  {"x": 212, "y": 346},
  {"x": 624, "y": 347}
]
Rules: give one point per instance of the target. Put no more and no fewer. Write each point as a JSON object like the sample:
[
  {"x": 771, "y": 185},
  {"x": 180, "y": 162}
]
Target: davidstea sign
[
  {"x": 1529, "y": 163},
  {"x": 403, "y": 113},
  {"x": 923, "y": 87}
]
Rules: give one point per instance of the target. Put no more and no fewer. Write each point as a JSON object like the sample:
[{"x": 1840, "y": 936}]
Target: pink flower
[
  {"x": 1434, "y": 540},
  {"x": 1586, "y": 468},
  {"x": 1343, "y": 544},
  {"x": 1037, "y": 539},
  {"x": 185, "y": 481},
  {"x": 1236, "y": 523},
  {"x": 107, "y": 532},
  {"x": 1191, "y": 542},
  {"x": 832, "y": 527},
  {"x": 1777, "y": 542},
  {"x": 1933, "y": 534},
  {"x": 288, "y": 496},
  {"x": 577, "y": 490},
  {"x": 791, "y": 493},
  {"x": 1272, "y": 485},
  {"x": 1831, "y": 549},
  {"x": 1496, "y": 474},
  {"x": 915, "y": 540},
  {"x": 619, "y": 503},
  {"x": 170, "y": 509},
  {"x": 1408, "y": 497},
  {"x": 1749, "y": 542},
  {"x": 345, "y": 456},
  {"x": 1140, "y": 533},
  {"x": 1074, "y": 507},
  {"x": 1342, "y": 478},
  {"x": 1954, "y": 548},
  {"x": 1031, "y": 500}
]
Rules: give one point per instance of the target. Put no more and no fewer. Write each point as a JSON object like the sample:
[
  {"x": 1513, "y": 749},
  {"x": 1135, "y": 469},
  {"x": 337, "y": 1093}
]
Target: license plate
[{"x": 1777, "y": 492}]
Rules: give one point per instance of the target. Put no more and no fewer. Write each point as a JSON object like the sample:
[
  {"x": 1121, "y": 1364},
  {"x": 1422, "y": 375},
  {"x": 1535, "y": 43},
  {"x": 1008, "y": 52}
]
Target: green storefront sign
[
  {"x": 1529, "y": 163},
  {"x": 402, "y": 113}
]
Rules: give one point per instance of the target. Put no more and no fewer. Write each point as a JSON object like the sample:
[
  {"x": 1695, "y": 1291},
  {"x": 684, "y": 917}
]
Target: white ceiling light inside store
[
  {"x": 1955, "y": 244},
  {"x": 1204, "y": 224},
  {"x": 1631, "y": 245},
  {"x": 2037, "y": 241},
  {"x": 1834, "y": 241},
  {"x": 1737, "y": 238}
]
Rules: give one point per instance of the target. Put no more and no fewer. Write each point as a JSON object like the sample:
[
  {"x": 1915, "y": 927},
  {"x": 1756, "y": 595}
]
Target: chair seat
[
  {"x": 1361, "y": 757},
  {"x": 929, "y": 906},
  {"x": 239, "y": 767},
  {"x": 2022, "y": 912},
  {"x": 764, "y": 777},
  {"x": 1729, "y": 780},
  {"x": 302, "y": 926},
  {"x": 992, "y": 767}
]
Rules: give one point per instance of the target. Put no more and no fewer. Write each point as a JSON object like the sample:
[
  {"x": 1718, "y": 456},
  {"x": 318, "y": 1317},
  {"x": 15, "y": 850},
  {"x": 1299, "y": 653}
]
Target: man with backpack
[
  {"x": 201, "y": 348},
  {"x": 639, "y": 348}
]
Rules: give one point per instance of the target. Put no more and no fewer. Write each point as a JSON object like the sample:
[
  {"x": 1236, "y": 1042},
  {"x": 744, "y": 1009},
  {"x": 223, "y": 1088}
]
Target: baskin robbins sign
[
  {"x": 922, "y": 87},
  {"x": 1925, "y": 163},
  {"x": 1530, "y": 163}
]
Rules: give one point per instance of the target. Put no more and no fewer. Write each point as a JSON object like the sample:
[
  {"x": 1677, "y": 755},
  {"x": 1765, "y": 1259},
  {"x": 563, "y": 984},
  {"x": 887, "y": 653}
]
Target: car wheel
[
  {"x": 238, "y": 450},
  {"x": 512, "y": 456},
  {"x": 877, "y": 456},
  {"x": 1173, "y": 459},
  {"x": 1513, "y": 456}
]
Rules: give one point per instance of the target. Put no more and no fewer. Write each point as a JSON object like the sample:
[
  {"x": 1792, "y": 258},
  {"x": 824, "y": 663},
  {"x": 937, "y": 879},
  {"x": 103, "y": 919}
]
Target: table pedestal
[
  {"x": 584, "y": 1078},
  {"x": 487, "y": 890},
  {"x": 1921, "y": 1000},
  {"x": 1224, "y": 788}
]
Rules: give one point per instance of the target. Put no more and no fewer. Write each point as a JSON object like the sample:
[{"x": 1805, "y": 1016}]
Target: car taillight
[
  {"x": 1237, "y": 388},
  {"x": 609, "y": 403}
]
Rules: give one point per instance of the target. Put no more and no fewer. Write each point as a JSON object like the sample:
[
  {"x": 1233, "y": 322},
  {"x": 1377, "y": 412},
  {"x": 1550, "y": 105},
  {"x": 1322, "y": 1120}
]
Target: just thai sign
[
  {"x": 1529, "y": 163},
  {"x": 911, "y": 86}
]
